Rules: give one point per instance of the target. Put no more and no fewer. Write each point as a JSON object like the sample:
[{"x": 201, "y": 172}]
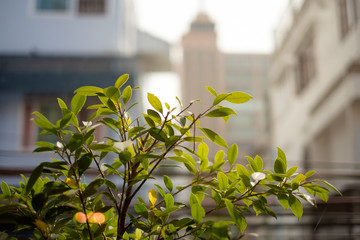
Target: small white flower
[
  {"x": 87, "y": 124},
  {"x": 126, "y": 115},
  {"x": 59, "y": 145},
  {"x": 258, "y": 176},
  {"x": 103, "y": 167},
  {"x": 121, "y": 146}
]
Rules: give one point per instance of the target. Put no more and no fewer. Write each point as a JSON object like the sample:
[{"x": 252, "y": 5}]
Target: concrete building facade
[
  {"x": 315, "y": 107},
  {"x": 50, "y": 48},
  {"x": 314, "y": 86},
  {"x": 250, "y": 128}
]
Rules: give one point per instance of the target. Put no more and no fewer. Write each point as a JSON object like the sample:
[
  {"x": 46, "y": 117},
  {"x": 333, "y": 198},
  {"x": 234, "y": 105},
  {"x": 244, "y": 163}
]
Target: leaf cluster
[{"x": 119, "y": 166}]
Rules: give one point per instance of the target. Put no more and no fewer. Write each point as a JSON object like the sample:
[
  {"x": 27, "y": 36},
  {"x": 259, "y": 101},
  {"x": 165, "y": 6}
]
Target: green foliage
[{"x": 58, "y": 202}]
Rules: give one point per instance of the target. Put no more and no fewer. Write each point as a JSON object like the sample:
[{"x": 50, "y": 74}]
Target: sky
[{"x": 243, "y": 26}]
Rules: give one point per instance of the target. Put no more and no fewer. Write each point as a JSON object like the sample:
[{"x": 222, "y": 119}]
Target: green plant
[{"x": 58, "y": 203}]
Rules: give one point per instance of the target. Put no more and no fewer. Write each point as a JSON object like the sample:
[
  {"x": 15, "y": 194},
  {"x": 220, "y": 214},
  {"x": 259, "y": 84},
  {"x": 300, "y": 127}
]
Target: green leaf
[
  {"x": 121, "y": 80},
  {"x": 161, "y": 191},
  {"x": 135, "y": 130},
  {"x": 309, "y": 174},
  {"x": 221, "y": 112},
  {"x": 296, "y": 206},
  {"x": 62, "y": 104},
  {"x": 223, "y": 181},
  {"x": 112, "y": 93},
  {"x": 253, "y": 164},
  {"x": 169, "y": 200},
  {"x": 168, "y": 183},
  {"x": 126, "y": 95},
  {"x": 158, "y": 134},
  {"x": 220, "y": 230},
  {"x": 108, "y": 103},
  {"x": 280, "y": 165},
  {"x": 38, "y": 201},
  {"x": 55, "y": 165},
  {"x": 77, "y": 103},
  {"x": 259, "y": 163},
  {"x": 232, "y": 154},
  {"x": 236, "y": 216},
  {"x": 197, "y": 211},
  {"x": 154, "y": 116},
  {"x": 102, "y": 148},
  {"x": 89, "y": 90},
  {"x": 220, "y": 98},
  {"x": 149, "y": 120},
  {"x": 188, "y": 162},
  {"x": 194, "y": 139},
  {"x": 36, "y": 173},
  {"x": 84, "y": 163},
  {"x": 211, "y": 90},
  {"x": 5, "y": 189},
  {"x": 155, "y": 102},
  {"x": 92, "y": 188},
  {"x": 44, "y": 146},
  {"x": 283, "y": 200},
  {"x": 291, "y": 171},
  {"x": 75, "y": 142},
  {"x": 167, "y": 211},
  {"x": 218, "y": 161},
  {"x": 141, "y": 210},
  {"x": 214, "y": 137},
  {"x": 203, "y": 150},
  {"x": 63, "y": 122},
  {"x": 297, "y": 180},
  {"x": 44, "y": 123},
  {"x": 331, "y": 187},
  {"x": 238, "y": 97},
  {"x": 243, "y": 174},
  {"x": 125, "y": 157}
]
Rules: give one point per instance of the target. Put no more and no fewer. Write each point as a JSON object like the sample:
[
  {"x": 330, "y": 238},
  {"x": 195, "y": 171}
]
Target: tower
[{"x": 202, "y": 66}]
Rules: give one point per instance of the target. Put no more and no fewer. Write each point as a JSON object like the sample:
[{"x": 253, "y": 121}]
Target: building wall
[
  {"x": 10, "y": 121},
  {"x": 250, "y": 128},
  {"x": 298, "y": 117},
  {"x": 24, "y": 29}
]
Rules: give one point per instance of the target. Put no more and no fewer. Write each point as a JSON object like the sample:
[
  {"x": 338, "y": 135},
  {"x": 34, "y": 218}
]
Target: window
[
  {"x": 52, "y": 5},
  {"x": 91, "y": 6},
  {"x": 305, "y": 62},
  {"x": 348, "y": 15},
  {"x": 48, "y": 106}
]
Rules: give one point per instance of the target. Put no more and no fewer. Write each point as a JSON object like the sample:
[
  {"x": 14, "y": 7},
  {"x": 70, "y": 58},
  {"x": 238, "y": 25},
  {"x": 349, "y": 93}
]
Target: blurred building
[
  {"x": 201, "y": 67},
  {"x": 204, "y": 65},
  {"x": 250, "y": 128},
  {"x": 315, "y": 103},
  {"x": 48, "y": 48}
]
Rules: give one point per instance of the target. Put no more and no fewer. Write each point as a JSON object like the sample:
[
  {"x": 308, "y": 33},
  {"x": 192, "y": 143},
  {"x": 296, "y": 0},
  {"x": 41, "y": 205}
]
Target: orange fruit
[
  {"x": 96, "y": 217},
  {"x": 80, "y": 217}
]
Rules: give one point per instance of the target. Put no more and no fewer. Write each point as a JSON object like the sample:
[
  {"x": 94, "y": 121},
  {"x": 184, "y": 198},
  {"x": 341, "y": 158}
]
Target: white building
[
  {"x": 315, "y": 93},
  {"x": 48, "y": 48},
  {"x": 315, "y": 89},
  {"x": 68, "y": 27}
]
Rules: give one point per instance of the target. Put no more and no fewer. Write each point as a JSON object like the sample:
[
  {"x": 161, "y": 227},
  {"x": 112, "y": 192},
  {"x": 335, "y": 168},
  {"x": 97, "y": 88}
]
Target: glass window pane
[{"x": 51, "y": 5}]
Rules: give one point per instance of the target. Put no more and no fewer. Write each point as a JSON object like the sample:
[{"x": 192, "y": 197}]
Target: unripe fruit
[
  {"x": 97, "y": 217},
  {"x": 80, "y": 217}
]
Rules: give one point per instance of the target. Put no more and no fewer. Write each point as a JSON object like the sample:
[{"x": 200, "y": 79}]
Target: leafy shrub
[{"x": 57, "y": 202}]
